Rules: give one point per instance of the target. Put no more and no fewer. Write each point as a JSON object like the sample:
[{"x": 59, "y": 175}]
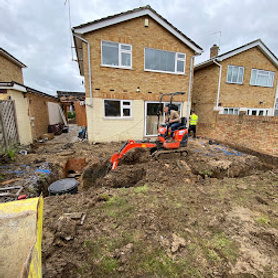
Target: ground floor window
[
  {"x": 257, "y": 112},
  {"x": 151, "y": 116},
  {"x": 117, "y": 108},
  {"x": 232, "y": 111}
]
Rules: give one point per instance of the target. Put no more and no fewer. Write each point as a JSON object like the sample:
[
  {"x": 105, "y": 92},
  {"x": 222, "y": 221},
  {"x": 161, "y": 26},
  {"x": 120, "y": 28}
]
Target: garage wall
[
  {"x": 53, "y": 113},
  {"x": 23, "y": 122}
]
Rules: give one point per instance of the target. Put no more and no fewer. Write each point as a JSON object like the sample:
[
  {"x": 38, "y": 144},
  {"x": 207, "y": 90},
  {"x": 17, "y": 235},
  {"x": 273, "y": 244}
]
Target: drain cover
[{"x": 63, "y": 186}]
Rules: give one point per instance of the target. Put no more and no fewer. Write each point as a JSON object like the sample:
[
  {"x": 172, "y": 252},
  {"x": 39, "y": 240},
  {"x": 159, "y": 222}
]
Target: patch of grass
[
  {"x": 263, "y": 220},
  {"x": 118, "y": 207},
  {"x": 157, "y": 264},
  {"x": 107, "y": 265},
  {"x": 142, "y": 189},
  {"x": 103, "y": 197},
  {"x": 178, "y": 205},
  {"x": 12, "y": 153},
  {"x": 220, "y": 247},
  {"x": 213, "y": 256}
]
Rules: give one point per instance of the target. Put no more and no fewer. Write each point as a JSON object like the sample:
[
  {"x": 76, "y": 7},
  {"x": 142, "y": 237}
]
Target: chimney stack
[{"x": 214, "y": 51}]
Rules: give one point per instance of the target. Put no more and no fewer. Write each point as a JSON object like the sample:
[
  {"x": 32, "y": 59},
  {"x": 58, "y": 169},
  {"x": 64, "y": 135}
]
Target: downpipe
[
  {"x": 190, "y": 85},
  {"x": 219, "y": 82},
  {"x": 89, "y": 64}
]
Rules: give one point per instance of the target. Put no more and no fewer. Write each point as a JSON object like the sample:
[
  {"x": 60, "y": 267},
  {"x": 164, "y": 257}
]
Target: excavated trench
[{"x": 137, "y": 164}]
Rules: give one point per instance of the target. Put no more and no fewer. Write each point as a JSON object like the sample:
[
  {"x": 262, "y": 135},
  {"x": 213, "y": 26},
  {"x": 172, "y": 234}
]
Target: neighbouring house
[
  {"x": 128, "y": 60},
  {"x": 35, "y": 110},
  {"x": 74, "y": 102},
  {"x": 10, "y": 68},
  {"x": 31, "y": 111},
  {"x": 240, "y": 81}
]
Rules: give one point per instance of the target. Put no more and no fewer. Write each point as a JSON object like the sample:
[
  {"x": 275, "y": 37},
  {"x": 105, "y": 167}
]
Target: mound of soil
[{"x": 123, "y": 176}]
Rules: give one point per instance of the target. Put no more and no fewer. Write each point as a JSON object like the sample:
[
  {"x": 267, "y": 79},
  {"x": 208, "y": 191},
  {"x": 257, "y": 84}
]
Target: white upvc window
[
  {"x": 235, "y": 74},
  {"x": 257, "y": 112},
  {"x": 115, "y": 54},
  {"x": 231, "y": 111},
  {"x": 262, "y": 78},
  {"x": 114, "y": 108},
  {"x": 164, "y": 61}
]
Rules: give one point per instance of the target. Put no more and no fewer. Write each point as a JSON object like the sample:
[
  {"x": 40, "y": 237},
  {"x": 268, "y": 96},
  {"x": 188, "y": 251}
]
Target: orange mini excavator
[{"x": 162, "y": 145}]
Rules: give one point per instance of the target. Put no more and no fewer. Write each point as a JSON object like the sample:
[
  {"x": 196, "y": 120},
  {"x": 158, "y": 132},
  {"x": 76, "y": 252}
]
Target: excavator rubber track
[{"x": 162, "y": 153}]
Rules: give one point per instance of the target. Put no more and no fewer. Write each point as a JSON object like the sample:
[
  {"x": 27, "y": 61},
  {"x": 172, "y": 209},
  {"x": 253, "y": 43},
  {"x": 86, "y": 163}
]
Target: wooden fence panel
[{"x": 8, "y": 124}]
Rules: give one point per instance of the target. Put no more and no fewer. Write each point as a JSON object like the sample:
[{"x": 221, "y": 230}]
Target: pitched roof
[
  {"x": 125, "y": 16},
  {"x": 10, "y": 57},
  {"x": 24, "y": 89},
  {"x": 130, "y": 14},
  {"x": 256, "y": 43}
]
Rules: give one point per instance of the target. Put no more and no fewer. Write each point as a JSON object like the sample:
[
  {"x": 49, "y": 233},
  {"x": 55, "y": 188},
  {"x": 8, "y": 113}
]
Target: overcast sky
[{"x": 37, "y": 32}]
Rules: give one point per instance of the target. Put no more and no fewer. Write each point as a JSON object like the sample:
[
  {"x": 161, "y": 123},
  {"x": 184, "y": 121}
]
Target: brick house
[
  {"x": 243, "y": 80},
  {"x": 128, "y": 60},
  {"x": 35, "y": 110},
  {"x": 11, "y": 68}
]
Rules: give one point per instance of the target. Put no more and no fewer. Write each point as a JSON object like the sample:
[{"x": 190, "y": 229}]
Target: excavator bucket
[{"x": 20, "y": 238}]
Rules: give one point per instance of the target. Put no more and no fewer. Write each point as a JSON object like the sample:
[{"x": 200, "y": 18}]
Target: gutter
[
  {"x": 89, "y": 64},
  {"x": 219, "y": 82},
  {"x": 190, "y": 84}
]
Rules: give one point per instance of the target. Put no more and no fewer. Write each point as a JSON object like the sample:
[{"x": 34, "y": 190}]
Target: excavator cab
[{"x": 180, "y": 135}]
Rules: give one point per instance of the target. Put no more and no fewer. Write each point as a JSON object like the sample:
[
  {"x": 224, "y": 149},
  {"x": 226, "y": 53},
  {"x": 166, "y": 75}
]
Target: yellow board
[{"x": 20, "y": 238}]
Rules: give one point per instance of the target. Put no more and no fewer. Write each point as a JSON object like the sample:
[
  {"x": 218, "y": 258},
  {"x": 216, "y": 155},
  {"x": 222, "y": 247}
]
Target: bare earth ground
[{"x": 213, "y": 213}]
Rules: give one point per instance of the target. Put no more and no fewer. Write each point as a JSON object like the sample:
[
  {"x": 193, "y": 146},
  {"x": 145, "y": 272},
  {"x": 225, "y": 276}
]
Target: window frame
[
  {"x": 176, "y": 60},
  {"x": 120, "y": 51},
  {"x": 231, "y": 108},
  {"x": 266, "y": 112},
  {"x": 122, "y": 107},
  {"x": 265, "y": 71},
  {"x": 239, "y": 67}
]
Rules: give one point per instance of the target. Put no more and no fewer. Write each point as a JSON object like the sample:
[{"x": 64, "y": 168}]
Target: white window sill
[
  {"x": 263, "y": 86},
  {"x": 167, "y": 72},
  {"x": 116, "y": 67},
  {"x": 118, "y": 118},
  {"x": 234, "y": 83}
]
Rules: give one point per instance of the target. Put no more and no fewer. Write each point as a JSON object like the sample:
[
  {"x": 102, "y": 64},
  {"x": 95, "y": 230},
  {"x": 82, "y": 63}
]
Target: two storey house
[
  {"x": 128, "y": 60},
  {"x": 243, "y": 80}
]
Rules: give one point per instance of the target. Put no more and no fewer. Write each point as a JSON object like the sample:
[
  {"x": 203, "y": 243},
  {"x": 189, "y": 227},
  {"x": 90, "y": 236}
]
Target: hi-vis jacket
[{"x": 193, "y": 119}]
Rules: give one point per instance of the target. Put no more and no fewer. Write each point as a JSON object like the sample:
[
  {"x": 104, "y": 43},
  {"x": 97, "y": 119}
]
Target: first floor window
[
  {"x": 233, "y": 111},
  {"x": 164, "y": 61},
  {"x": 117, "y": 108},
  {"x": 116, "y": 54},
  {"x": 235, "y": 74},
  {"x": 262, "y": 78}
]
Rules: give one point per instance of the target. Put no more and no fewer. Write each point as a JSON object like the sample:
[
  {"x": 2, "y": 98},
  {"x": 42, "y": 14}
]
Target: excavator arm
[{"x": 128, "y": 145}]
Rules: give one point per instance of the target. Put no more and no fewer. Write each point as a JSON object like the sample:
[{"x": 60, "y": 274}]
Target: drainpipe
[
  {"x": 219, "y": 82},
  {"x": 89, "y": 63},
  {"x": 190, "y": 85}
]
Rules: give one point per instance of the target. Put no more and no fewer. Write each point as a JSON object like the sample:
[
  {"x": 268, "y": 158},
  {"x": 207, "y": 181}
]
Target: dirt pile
[{"x": 123, "y": 176}]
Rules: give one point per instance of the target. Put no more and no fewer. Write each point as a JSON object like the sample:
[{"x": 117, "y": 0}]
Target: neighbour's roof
[
  {"x": 66, "y": 93},
  {"x": 10, "y": 57},
  {"x": 125, "y": 16},
  {"x": 256, "y": 43},
  {"x": 70, "y": 96},
  {"x": 24, "y": 89}
]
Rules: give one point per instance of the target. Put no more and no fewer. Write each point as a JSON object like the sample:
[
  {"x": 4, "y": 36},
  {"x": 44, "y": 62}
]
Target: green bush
[{"x": 71, "y": 115}]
